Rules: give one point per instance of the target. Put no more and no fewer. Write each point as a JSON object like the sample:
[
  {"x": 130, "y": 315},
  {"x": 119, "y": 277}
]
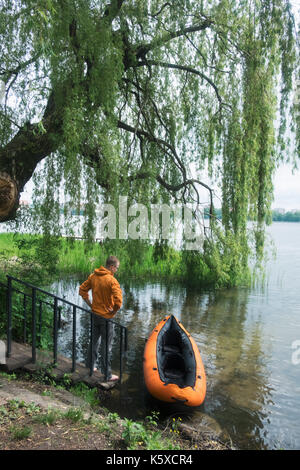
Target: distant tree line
[
  {"x": 277, "y": 216},
  {"x": 286, "y": 216}
]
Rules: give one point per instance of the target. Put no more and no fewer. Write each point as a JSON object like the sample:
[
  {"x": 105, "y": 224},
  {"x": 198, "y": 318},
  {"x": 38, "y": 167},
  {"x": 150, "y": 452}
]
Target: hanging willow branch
[{"x": 186, "y": 69}]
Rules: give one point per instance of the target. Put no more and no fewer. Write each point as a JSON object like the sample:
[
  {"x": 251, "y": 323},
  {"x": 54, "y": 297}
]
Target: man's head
[{"x": 112, "y": 264}]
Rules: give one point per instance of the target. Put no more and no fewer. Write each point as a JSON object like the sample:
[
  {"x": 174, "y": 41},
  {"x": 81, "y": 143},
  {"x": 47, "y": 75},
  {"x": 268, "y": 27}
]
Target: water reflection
[
  {"x": 230, "y": 341},
  {"x": 232, "y": 348}
]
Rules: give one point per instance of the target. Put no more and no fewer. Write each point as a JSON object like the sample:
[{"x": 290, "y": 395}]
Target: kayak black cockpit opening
[{"x": 175, "y": 355}]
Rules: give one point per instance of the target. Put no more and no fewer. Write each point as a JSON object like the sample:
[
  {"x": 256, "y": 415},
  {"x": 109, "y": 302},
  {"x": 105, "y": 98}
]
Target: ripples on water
[{"x": 245, "y": 339}]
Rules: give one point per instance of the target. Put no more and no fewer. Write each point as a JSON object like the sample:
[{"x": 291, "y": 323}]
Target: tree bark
[
  {"x": 31, "y": 144},
  {"x": 19, "y": 159},
  {"x": 9, "y": 199}
]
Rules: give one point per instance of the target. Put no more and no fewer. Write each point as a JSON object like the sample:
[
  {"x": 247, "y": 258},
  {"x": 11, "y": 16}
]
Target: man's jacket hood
[{"x": 102, "y": 271}]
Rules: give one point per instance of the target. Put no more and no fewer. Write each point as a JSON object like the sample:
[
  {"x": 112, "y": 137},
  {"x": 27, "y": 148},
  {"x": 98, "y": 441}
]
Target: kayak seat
[
  {"x": 174, "y": 368},
  {"x": 174, "y": 374},
  {"x": 171, "y": 348},
  {"x": 172, "y": 342}
]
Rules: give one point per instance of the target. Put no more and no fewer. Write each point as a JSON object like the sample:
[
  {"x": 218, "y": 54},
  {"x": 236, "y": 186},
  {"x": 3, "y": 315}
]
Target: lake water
[{"x": 249, "y": 340}]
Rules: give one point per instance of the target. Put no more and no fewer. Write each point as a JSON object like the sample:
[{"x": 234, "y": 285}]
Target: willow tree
[{"x": 126, "y": 97}]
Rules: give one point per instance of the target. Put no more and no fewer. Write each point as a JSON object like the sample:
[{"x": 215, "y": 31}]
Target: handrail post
[
  {"x": 9, "y": 315},
  {"x": 55, "y": 307},
  {"x": 24, "y": 317},
  {"x": 74, "y": 340},
  {"x": 59, "y": 317},
  {"x": 40, "y": 321},
  {"x": 33, "y": 326}
]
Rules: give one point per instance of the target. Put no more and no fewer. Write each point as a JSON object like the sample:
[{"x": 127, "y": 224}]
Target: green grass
[
  {"x": 47, "y": 418},
  {"x": 42, "y": 260},
  {"x": 138, "y": 259},
  {"x": 74, "y": 414},
  {"x": 136, "y": 434},
  {"x": 20, "y": 432},
  {"x": 8, "y": 247},
  {"x": 90, "y": 395},
  {"x": 76, "y": 257}
]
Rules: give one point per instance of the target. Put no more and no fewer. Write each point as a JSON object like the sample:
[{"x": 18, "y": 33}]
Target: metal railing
[{"x": 55, "y": 304}]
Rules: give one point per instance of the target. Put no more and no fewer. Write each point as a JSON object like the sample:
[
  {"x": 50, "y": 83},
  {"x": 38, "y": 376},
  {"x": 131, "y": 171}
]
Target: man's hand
[{"x": 113, "y": 310}]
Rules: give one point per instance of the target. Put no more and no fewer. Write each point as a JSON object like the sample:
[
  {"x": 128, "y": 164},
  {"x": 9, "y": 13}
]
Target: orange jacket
[{"x": 106, "y": 292}]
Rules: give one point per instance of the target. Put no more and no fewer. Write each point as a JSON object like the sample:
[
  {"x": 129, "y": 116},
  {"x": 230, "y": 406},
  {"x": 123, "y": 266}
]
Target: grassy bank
[
  {"x": 63, "y": 257},
  {"x": 42, "y": 259}
]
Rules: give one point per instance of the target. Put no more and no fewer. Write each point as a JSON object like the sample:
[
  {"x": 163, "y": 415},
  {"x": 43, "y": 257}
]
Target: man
[{"x": 107, "y": 300}]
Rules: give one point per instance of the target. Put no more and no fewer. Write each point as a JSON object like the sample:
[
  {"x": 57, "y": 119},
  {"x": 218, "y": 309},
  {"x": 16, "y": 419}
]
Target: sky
[{"x": 286, "y": 188}]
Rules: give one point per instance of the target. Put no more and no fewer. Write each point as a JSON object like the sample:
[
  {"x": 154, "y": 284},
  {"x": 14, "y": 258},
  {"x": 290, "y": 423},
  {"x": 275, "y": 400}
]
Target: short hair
[{"x": 112, "y": 261}]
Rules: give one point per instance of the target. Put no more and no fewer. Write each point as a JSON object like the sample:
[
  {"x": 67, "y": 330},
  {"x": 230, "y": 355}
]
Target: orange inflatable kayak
[{"x": 173, "y": 368}]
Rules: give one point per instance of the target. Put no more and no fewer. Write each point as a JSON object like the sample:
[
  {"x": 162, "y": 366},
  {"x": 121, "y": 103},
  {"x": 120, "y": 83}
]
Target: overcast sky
[{"x": 286, "y": 188}]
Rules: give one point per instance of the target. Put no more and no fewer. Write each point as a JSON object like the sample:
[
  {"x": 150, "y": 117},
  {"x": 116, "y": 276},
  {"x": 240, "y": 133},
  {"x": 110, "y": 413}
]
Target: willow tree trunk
[
  {"x": 19, "y": 158},
  {"x": 9, "y": 196}
]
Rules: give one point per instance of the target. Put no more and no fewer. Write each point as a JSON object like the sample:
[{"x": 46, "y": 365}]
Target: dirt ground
[
  {"x": 63, "y": 435},
  {"x": 32, "y": 417},
  {"x": 35, "y": 416}
]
